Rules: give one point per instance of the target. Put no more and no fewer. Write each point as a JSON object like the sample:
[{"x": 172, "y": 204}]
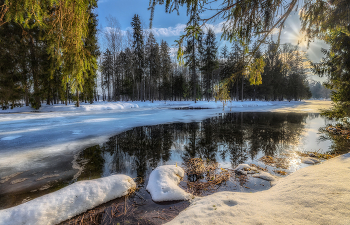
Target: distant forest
[{"x": 135, "y": 67}]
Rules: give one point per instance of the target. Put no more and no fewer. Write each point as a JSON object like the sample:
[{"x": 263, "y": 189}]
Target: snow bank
[
  {"x": 318, "y": 194},
  {"x": 96, "y": 106},
  {"x": 229, "y": 104},
  {"x": 102, "y": 106},
  {"x": 67, "y": 202},
  {"x": 163, "y": 184}
]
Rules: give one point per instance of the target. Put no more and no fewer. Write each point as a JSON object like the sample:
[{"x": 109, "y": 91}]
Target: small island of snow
[{"x": 163, "y": 184}]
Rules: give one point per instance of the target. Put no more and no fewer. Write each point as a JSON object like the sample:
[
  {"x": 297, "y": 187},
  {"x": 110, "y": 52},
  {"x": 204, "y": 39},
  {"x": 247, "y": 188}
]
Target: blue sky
[
  {"x": 167, "y": 26},
  {"x": 170, "y": 26}
]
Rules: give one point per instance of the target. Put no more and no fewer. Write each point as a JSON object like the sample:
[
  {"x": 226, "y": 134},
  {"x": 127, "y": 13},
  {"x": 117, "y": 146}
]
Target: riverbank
[
  {"x": 318, "y": 194},
  {"x": 283, "y": 106}
]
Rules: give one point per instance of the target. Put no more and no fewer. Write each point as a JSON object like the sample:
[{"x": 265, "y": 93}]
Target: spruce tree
[
  {"x": 91, "y": 46},
  {"x": 166, "y": 73},
  {"x": 138, "y": 47},
  {"x": 210, "y": 62},
  {"x": 106, "y": 72},
  {"x": 192, "y": 56},
  {"x": 153, "y": 64}
]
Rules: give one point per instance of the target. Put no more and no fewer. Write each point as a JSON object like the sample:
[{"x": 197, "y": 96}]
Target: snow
[
  {"x": 10, "y": 138},
  {"x": 163, "y": 184},
  {"x": 318, "y": 194},
  {"x": 245, "y": 169},
  {"x": 68, "y": 202},
  {"x": 105, "y": 106},
  {"x": 265, "y": 176},
  {"x": 228, "y": 104},
  {"x": 310, "y": 160}
]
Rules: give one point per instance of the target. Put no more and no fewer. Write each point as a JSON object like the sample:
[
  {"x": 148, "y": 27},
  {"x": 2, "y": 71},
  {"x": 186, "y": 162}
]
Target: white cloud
[
  {"x": 173, "y": 51},
  {"x": 217, "y": 28},
  {"x": 178, "y": 30},
  {"x": 169, "y": 31}
]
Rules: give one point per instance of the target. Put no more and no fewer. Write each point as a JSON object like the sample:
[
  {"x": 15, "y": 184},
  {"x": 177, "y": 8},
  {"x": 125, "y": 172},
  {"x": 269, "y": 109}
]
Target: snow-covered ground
[
  {"x": 100, "y": 106},
  {"x": 318, "y": 194},
  {"x": 68, "y": 202}
]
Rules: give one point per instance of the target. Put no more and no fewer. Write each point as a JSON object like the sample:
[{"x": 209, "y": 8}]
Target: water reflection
[
  {"x": 229, "y": 139},
  {"x": 340, "y": 144}
]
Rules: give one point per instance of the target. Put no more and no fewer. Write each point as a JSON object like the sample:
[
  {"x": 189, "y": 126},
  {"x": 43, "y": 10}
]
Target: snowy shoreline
[
  {"x": 101, "y": 106},
  {"x": 318, "y": 194}
]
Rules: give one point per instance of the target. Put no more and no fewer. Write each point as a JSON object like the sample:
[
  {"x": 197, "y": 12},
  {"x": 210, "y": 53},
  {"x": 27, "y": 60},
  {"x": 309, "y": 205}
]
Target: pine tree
[
  {"x": 106, "y": 72},
  {"x": 153, "y": 63},
  {"x": 210, "y": 62},
  {"x": 138, "y": 47},
  {"x": 14, "y": 78},
  {"x": 166, "y": 73},
  {"x": 92, "y": 49},
  {"x": 192, "y": 56},
  {"x": 64, "y": 34}
]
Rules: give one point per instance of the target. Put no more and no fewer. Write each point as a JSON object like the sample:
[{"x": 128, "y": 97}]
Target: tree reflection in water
[{"x": 234, "y": 136}]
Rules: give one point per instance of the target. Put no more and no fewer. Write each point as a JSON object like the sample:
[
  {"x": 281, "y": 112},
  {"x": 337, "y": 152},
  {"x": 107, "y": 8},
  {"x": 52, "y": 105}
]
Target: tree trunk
[
  {"x": 78, "y": 99},
  {"x": 67, "y": 93},
  {"x": 27, "y": 97},
  {"x": 34, "y": 68},
  {"x": 242, "y": 88},
  {"x": 194, "y": 72},
  {"x": 237, "y": 92}
]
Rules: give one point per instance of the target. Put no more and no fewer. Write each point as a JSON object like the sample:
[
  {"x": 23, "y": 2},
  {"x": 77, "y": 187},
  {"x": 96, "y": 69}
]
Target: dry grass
[
  {"x": 259, "y": 167},
  {"x": 339, "y": 130},
  {"x": 100, "y": 214},
  {"x": 280, "y": 172},
  {"x": 275, "y": 162},
  {"x": 206, "y": 175},
  {"x": 317, "y": 155}
]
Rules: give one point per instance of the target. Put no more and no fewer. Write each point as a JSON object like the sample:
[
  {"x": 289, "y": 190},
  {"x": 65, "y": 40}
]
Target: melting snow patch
[
  {"x": 68, "y": 202},
  {"x": 163, "y": 184},
  {"x": 310, "y": 160},
  {"x": 264, "y": 176},
  {"x": 76, "y": 132},
  {"x": 10, "y": 138},
  {"x": 245, "y": 169}
]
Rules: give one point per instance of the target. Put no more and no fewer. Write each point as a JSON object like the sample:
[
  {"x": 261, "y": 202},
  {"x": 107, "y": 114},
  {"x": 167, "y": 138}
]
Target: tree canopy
[{"x": 65, "y": 25}]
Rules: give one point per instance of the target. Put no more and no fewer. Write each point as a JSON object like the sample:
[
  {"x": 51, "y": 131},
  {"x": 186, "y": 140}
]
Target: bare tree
[{"x": 114, "y": 40}]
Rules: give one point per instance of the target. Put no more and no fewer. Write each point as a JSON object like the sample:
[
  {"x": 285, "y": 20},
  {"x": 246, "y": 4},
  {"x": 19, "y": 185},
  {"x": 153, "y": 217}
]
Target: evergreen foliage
[
  {"x": 210, "y": 63},
  {"x": 50, "y": 55},
  {"x": 138, "y": 48},
  {"x": 143, "y": 69}
]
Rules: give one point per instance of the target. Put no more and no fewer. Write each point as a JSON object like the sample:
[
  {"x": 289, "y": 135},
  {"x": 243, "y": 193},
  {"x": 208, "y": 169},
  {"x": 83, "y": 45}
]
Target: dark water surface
[{"x": 229, "y": 139}]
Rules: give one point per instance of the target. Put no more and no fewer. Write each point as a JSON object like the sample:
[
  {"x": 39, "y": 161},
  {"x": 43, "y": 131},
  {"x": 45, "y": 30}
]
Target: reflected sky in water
[{"x": 229, "y": 139}]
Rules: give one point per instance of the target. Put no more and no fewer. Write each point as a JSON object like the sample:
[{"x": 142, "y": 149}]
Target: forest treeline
[
  {"x": 45, "y": 57},
  {"x": 135, "y": 67}
]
